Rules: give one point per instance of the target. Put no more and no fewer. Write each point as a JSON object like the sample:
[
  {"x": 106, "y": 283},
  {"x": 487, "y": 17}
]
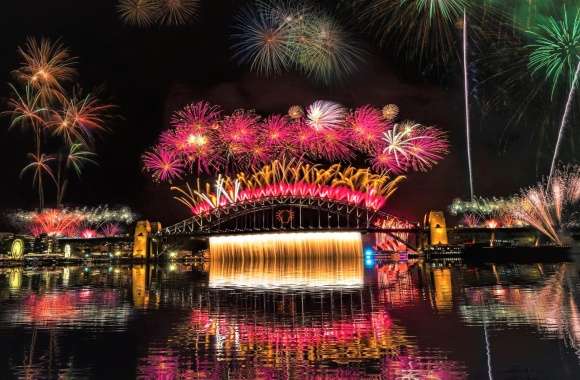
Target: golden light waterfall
[{"x": 309, "y": 259}]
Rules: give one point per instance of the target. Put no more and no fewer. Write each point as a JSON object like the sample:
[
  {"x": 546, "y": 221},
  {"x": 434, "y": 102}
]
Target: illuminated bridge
[{"x": 271, "y": 214}]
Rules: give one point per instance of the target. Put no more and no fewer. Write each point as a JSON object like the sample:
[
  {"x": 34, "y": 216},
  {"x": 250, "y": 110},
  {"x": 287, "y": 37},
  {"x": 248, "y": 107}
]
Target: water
[{"x": 352, "y": 319}]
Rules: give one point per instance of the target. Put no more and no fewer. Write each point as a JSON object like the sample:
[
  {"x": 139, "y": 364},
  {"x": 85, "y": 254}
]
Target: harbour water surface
[{"x": 294, "y": 318}]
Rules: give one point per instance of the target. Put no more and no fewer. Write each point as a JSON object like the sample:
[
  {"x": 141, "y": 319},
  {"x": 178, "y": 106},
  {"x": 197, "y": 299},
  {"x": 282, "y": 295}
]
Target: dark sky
[{"x": 149, "y": 73}]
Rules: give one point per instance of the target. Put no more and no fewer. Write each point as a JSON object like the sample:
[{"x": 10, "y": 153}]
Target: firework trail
[
  {"x": 563, "y": 122},
  {"x": 466, "y": 99}
]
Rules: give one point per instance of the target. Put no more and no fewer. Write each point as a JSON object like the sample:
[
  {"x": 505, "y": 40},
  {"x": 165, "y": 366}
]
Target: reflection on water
[
  {"x": 302, "y": 260},
  {"x": 402, "y": 320}
]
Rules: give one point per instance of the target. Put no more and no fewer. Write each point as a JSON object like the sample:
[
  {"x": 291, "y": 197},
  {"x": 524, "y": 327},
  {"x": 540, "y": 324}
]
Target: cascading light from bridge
[
  {"x": 357, "y": 187},
  {"x": 299, "y": 260}
]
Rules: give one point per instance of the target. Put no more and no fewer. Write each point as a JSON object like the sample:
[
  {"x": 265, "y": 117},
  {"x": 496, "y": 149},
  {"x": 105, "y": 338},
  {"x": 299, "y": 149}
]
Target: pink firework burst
[
  {"x": 413, "y": 146},
  {"x": 163, "y": 165},
  {"x": 275, "y": 132},
  {"x": 238, "y": 134},
  {"x": 110, "y": 230},
  {"x": 385, "y": 162},
  {"x": 323, "y": 114},
  {"x": 197, "y": 116},
  {"x": 331, "y": 145},
  {"x": 366, "y": 126}
]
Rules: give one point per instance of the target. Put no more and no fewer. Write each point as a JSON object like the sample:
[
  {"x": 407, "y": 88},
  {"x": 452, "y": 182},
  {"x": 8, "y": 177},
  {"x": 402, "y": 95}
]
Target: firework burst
[
  {"x": 556, "y": 49},
  {"x": 46, "y": 66},
  {"x": 366, "y": 128},
  {"x": 79, "y": 118},
  {"x": 263, "y": 40},
  {"x": 177, "y": 12},
  {"x": 551, "y": 206},
  {"x": 417, "y": 28},
  {"x": 281, "y": 178},
  {"x": 163, "y": 165},
  {"x": 140, "y": 13},
  {"x": 325, "y": 51},
  {"x": 412, "y": 145},
  {"x": 201, "y": 139},
  {"x": 323, "y": 114},
  {"x": 275, "y": 37},
  {"x": 275, "y": 134},
  {"x": 238, "y": 134},
  {"x": 390, "y": 112}
]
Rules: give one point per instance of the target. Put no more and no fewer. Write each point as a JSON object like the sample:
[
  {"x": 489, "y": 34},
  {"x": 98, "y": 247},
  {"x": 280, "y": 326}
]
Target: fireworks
[
  {"x": 45, "y": 106},
  {"x": 366, "y": 127},
  {"x": 79, "y": 117},
  {"x": 177, "y": 12},
  {"x": 46, "y": 66},
  {"x": 263, "y": 40},
  {"x": 412, "y": 145},
  {"x": 416, "y": 28},
  {"x": 40, "y": 165},
  {"x": 550, "y": 207},
  {"x": 80, "y": 222},
  {"x": 25, "y": 109},
  {"x": 295, "y": 112},
  {"x": 273, "y": 38},
  {"x": 556, "y": 49},
  {"x": 141, "y": 13},
  {"x": 144, "y": 13},
  {"x": 482, "y": 206},
  {"x": 163, "y": 165},
  {"x": 324, "y": 115},
  {"x": 202, "y": 140},
  {"x": 325, "y": 50},
  {"x": 390, "y": 112},
  {"x": 357, "y": 187}
]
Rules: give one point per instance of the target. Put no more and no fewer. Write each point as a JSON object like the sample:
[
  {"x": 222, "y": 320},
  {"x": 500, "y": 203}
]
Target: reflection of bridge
[{"x": 289, "y": 214}]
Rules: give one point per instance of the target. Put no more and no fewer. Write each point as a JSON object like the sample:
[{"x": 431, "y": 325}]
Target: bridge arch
[{"x": 284, "y": 214}]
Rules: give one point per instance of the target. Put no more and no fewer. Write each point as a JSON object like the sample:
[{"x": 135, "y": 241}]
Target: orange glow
[{"x": 287, "y": 260}]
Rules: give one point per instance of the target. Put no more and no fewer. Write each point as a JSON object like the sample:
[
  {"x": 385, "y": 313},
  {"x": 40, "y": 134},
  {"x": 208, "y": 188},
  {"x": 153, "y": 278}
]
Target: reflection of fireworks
[{"x": 350, "y": 185}]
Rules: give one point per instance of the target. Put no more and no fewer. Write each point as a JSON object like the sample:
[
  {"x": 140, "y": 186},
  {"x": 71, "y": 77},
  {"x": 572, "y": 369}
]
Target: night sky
[{"x": 149, "y": 73}]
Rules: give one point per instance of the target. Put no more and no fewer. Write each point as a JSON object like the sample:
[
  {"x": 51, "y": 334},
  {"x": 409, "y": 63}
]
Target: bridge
[{"x": 289, "y": 214}]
